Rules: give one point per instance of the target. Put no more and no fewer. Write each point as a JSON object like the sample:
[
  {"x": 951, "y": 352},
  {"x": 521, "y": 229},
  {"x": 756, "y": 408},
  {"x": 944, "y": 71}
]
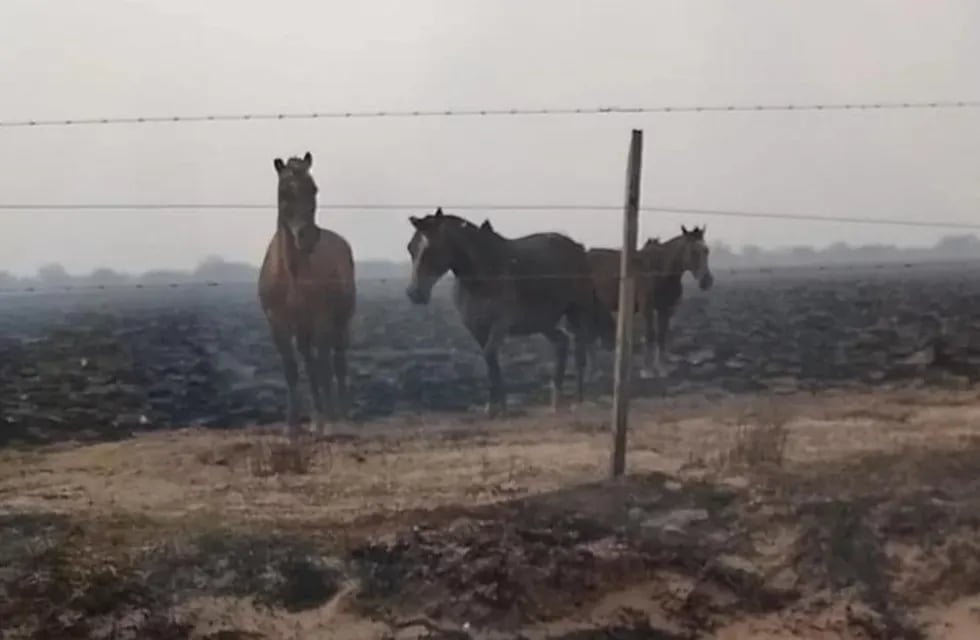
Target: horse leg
[
  {"x": 663, "y": 324},
  {"x": 340, "y": 373},
  {"x": 586, "y": 329},
  {"x": 309, "y": 351},
  {"x": 603, "y": 331},
  {"x": 583, "y": 342},
  {"x": 559, "y": 340},
  {"x": 284, "y": 345},
  {"x": 589, "y": 351},
  {"x": 649, "y": 338},
  {"x": 611, "y": 347},
  {"x": 326, "y": 370},
  {"x": 497, "y": 403}
]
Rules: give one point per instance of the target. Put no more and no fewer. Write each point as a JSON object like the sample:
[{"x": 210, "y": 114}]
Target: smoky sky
[{"x": 64, "y": 58}]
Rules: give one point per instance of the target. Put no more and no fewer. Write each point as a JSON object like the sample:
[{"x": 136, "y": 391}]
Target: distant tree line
[
  {"x": 216, "y": 269},
  {"x": 949, "y": 248},
  {"x": 211, "y": 269}
]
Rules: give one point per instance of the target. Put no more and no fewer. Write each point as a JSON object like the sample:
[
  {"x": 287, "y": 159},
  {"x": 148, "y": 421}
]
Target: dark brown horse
[
  {"x": 511, "y": 287},
  {"x": 307, "y": 292},
  {"x": 659, "y": 268}
]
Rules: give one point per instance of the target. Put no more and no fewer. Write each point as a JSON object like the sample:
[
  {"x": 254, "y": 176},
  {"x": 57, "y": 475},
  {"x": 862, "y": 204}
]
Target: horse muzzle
[
  {"x": 706, "y": 281},
  {"x": 417, "y": 295}
]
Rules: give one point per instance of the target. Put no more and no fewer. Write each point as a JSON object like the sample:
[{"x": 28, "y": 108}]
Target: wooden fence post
[{"x": 627, "y": 288}]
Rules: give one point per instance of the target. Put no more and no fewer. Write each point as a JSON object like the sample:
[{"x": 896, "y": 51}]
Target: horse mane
[
  {"x": 478, "y": 249},
  {"x": 667, "y": 257}
]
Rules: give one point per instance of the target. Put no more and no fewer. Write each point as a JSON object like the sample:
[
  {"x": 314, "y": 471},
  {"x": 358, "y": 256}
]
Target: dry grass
[
  {"x": 275, "y": 458},
  {"x": 760, "y": 438},
  {"x": 870, "y": 500},
  {"x": 266, "y": 456}
]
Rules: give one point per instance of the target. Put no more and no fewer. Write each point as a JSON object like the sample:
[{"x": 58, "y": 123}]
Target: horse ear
[
  {"x": 308, "y": 159},
  {"x": 486, "y": 226},
  {"x": 278, "y": 164},
  {"x": 416, "y": 222},
  {"x": 684, "y": 230},
  {"x": 439, "y": 212}
]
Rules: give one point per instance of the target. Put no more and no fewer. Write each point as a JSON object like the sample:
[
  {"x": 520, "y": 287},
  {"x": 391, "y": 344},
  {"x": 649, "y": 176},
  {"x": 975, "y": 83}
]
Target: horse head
[
  {"x": 297, "y": 200},
  {"x": 695, "y": 256},
  {"x": 431, "y": 251}
]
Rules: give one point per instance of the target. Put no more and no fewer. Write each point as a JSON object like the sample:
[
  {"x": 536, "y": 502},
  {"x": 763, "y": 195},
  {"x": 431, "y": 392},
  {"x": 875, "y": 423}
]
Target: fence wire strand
[
  {"x": 491, "y": 112},
  {"x": 772, "y": 270},
  {"x": 486, "y": 208}
]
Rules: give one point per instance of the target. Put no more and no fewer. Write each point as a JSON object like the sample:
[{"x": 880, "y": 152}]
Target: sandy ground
[{"x": 906, "y": 462}]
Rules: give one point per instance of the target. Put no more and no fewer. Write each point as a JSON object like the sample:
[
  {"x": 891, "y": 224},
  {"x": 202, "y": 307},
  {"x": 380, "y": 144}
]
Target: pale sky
[{"x": 67, "y": 58}]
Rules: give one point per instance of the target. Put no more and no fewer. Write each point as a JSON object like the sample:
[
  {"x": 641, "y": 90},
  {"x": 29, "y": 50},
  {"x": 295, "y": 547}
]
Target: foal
[{"x": 659, "y": 268}]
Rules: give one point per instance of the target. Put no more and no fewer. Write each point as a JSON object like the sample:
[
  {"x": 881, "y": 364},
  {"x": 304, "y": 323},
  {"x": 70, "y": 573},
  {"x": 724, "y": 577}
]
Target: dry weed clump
[
  {"x": 279, "y": 457},
  {"x": 760, "y": 438}
]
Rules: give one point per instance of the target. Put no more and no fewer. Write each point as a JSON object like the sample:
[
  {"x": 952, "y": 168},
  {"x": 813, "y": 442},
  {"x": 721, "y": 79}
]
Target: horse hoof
[
  {"x": 555, "y": 403},
  {"x": 494, "y": 411}
]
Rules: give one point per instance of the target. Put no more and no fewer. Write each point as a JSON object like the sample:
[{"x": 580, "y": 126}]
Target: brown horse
[
  {"x": 659, "y": 267},
  {"x": 307, "y": 292},
  {"x": 511, "y": 287}
]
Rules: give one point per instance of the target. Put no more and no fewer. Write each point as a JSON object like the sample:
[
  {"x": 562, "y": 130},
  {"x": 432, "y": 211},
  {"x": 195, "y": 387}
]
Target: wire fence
[
  {"x": 487, "y": 208},
  {"x": 494, "y": 112},
  {"x": 771, "y": 270},
  {"x": 484, "y": 208},
  {"x": 513, "y": 111}
]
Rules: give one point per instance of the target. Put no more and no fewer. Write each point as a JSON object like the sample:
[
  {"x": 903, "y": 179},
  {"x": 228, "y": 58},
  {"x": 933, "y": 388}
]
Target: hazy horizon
[
  {"x": 216, "y": 268},
  {"x": 163, "y": 57}
]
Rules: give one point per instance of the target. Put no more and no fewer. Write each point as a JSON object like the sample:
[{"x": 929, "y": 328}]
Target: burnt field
[
  {"x": 103, "y": 363},
  {"x": 808, "y": 470}
]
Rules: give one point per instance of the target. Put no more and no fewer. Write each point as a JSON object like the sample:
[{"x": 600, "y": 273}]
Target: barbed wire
[
  {"x": 771, "y": 270},
  {"x": 554, "y": 208},
  {"x": 492, "y": 112}
]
